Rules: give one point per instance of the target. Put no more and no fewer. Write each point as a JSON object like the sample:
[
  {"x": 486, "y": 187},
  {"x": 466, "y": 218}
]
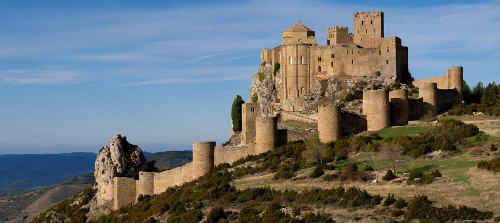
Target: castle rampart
[
  {"x": 329, "y": 122},
  {"x": 399, "y": 107},
  {"x": 145, "y": 184},
  {"x": 453, "y": 79},
  {"x": 265, "y": 134},
  {"x": 124, "y": 191},
  {"x": 376, "y": 108}
]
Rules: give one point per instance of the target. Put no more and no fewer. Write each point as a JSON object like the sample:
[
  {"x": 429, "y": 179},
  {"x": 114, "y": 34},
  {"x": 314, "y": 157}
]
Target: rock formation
[{"x": 118, "y": 159}]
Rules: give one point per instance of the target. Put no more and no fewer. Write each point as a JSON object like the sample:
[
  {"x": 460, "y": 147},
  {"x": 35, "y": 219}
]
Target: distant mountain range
[{"x": 25, "y": 171}]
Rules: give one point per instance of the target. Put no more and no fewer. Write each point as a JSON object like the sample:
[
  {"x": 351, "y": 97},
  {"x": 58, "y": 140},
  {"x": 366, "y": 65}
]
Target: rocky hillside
[
  {"x": 397, "y": 174},
  {"x": 265, "y": 88}
]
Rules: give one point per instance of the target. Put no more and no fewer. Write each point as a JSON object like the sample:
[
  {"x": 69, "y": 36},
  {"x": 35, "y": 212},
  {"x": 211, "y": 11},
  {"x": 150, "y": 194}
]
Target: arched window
[
  {"x": 386, "y": 62},
  {"x": 333, "y": 55},
  {"x": 331, "y": 64},
  {"x": 319, "y": 59},
  {"x": 291, "y": 60},
  {"x": 388, "y": 50},
  {"x": 352, "y": 61},
  {"x": 319, "y": 68},
  {"x": 302, "y": 60}
]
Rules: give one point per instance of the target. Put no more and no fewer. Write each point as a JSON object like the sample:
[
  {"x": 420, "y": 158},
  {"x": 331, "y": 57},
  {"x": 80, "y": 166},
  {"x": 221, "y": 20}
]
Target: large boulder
[{"x": 119, "y": 159}]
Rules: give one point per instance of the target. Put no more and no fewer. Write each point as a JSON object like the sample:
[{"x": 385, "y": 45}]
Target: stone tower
[
  {"x": 428, "y": 92},
  {"x": 296, "y": 76},
  {"x": 376, "y": 108},
  {"x": 203, "y": 158},
  {"x": 368, "y": 29},
  {"x": 329, "y": 122},
  {"x": 338, "y": 35},
  {"x": 265, "y": 134}
]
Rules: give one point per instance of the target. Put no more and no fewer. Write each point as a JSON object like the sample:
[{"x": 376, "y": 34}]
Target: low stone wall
[
  {"x": 292, "y": 116},
  {"x": 173, "y": 177},
  {"x": 229, "y": 154}
]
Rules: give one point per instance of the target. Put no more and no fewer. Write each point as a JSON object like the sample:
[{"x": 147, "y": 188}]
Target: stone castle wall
[
  {"x": 249, "y": 112},
  {"x": 229, "y": 154},
  {"x": 399, "y": 107},
  {"x": 452, "y": 79},
  {"x": 124, "y": 191}
]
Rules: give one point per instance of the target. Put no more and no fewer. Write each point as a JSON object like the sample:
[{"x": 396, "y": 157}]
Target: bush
[
  {"x": 342, "y": 157},
  {"x": 414, "y": 174},
  {"x": 421, "y": 208},
  {"x": 481, "y": 137},
  {"x": 236, "y": 113},
  {"x": 249, "y": 215},
  {"x": 400, "y": 203},
  {"x": 276, "y": 68},
  {"x": 376, "y": 199},
  {"x": 389, "y": 175},
  {"x": 317, "y": 171},
  {"x": 216, "y": 214},
  {"x": 493, "y": 148},
  {"x": 368, "y": 168},
  {"x": 255, "y": 98},
  {"x": 262, "y": 76},
  {"x": 491, "y": 165},
  {"x": 389, "y": 200}
]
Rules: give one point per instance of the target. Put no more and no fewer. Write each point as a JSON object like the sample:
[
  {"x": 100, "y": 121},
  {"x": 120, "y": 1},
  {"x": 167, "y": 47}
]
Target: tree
[
  {"x": 236, "y": 115},
  {"x": 477, "y": 92},
  {"x": 315, "y": 152},
  {"x": 491, "y": 95},
  {"x": 392, "y": 151}
]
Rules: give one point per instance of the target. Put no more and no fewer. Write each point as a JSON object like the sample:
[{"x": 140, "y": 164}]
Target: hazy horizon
[{"x": 74, "y": 74}]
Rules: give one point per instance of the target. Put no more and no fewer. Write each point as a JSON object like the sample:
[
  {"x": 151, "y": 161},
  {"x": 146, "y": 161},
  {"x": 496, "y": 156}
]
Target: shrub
[
  {"x": 421, "y": 208},
  {"x": 342, "y": 157},
  {"x": 236, "y": 113},
  {"x": 389, "y": 175},
  {"x": 389, "y": 200},
  {"x": 262, "y": 76},
  {"x": 376, "y": 199},
  {"x": 493, "y": 148},
  {"x": 216, "y": 214},
  {"x": 415, "y": 174},
  {"x": 283, "y": 174},
  {"x": 400, "y": 203},
  {"x": 481, "y": 137},
  {"x": 255, "y": 98},
  {"x": 249, "y": 215},
  {"x": 276, "y": 68},
  {"x": 317, "y": 171},
  {"x": 368, "y": 168},
  {"x": 491, "y": 165}
]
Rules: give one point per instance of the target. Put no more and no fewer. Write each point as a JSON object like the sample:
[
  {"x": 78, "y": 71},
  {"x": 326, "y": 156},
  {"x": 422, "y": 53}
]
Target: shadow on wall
[{"x": 353, "y": 123}]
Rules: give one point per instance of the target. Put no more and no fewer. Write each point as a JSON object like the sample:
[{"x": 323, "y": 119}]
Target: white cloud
[
  {"x": 100, "y": 45},
  {"x": 42, "y": 76}
]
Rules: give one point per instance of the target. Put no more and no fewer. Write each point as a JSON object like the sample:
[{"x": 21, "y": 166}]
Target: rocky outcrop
[
  {"x": 266, "y": 90},
  {"x": 119, "y": 159}
]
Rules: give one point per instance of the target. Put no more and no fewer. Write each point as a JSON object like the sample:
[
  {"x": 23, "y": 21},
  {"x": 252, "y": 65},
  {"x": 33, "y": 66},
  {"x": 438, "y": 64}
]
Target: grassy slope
[{"x": 462, "y": 183}]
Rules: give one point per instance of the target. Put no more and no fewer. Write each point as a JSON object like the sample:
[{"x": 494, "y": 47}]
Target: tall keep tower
[
  {"x": 296, "y": 41},
  {"x": 368, "y": 28}
]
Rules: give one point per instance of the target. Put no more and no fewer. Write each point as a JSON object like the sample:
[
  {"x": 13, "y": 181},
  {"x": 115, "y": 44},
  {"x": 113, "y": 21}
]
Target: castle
[
  {"x": 302, "y": 62},
  {"x": 364, "y": 52}
]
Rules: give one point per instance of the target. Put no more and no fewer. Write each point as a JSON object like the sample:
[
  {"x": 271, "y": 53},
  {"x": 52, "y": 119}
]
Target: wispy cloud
[
  {"x": 42, "y": 76},
  {"x": 99, "y": 45}
]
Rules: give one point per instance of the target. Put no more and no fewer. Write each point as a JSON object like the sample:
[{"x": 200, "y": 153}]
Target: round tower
[
  {"x": 399, "y": 107},
  {"x": 456, "y": 78},
  {"x": 329, "y": 122},
  {"x": 145, "y": 184},
  {"x": 428, "y": 93},
  {"x": 265, "y": 134},
  {"x": 203, "y": 158},
  {"x": 376, "y": 108}
]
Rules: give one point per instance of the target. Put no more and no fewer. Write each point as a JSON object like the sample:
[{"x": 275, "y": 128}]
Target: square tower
[
  {"x": 368, "y": 29},
  {"x": 338, "y": 35}
]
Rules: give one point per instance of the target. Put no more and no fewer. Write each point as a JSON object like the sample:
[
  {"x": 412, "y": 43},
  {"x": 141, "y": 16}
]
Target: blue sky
[{"x": 164, "y": 73}]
